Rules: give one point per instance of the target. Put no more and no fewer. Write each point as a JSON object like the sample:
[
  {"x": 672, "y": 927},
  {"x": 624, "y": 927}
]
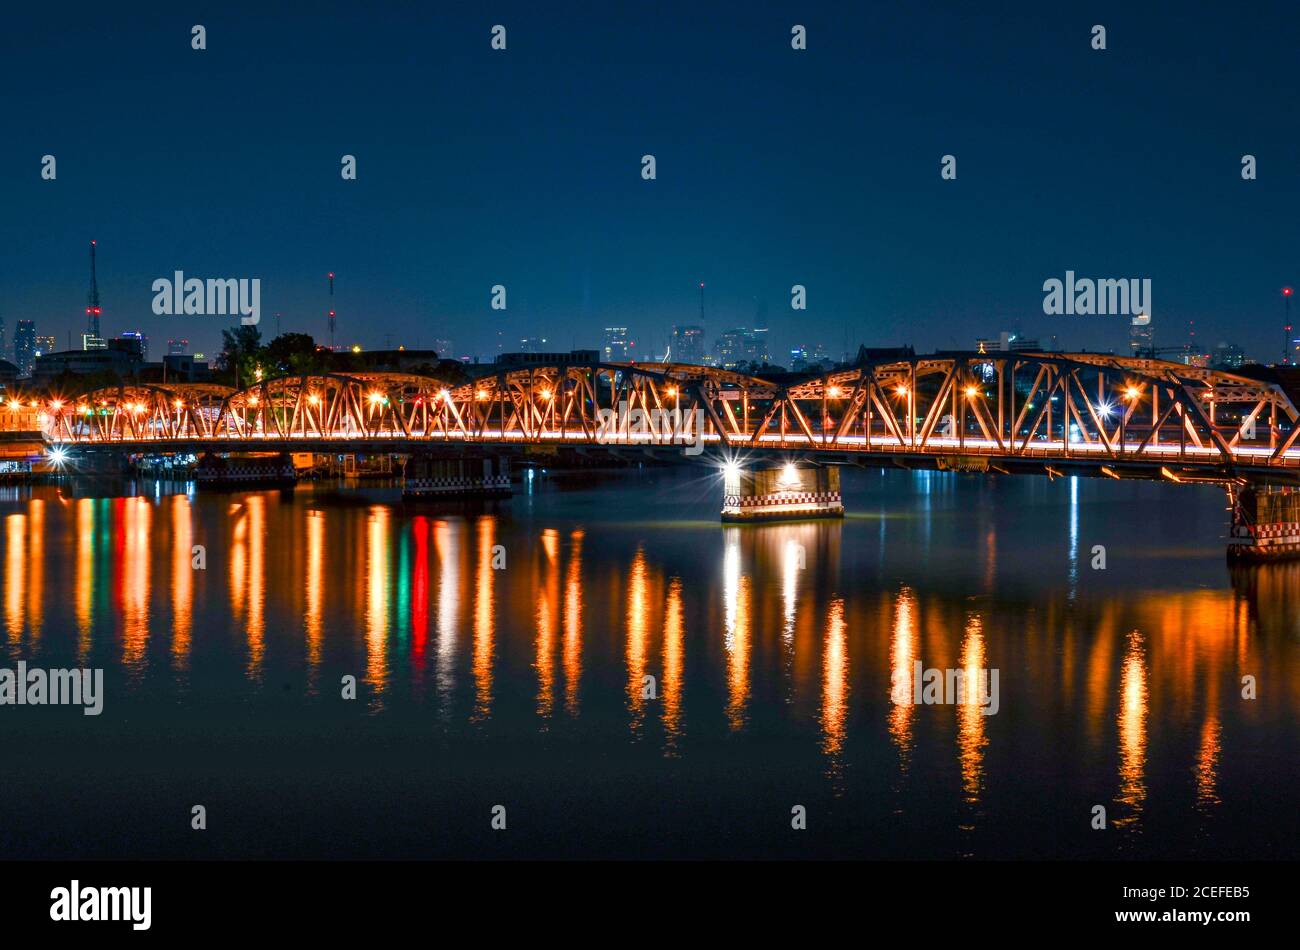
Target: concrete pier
[
  {"x": 240, "y": 470},
  {"x": 789, "y": 492},
  {"x": 1265, "y": 524},
  {"x": 429, "y": 477}
]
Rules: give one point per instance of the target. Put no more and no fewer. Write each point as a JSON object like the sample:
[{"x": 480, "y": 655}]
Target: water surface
[{"x": 501, "y": 657}]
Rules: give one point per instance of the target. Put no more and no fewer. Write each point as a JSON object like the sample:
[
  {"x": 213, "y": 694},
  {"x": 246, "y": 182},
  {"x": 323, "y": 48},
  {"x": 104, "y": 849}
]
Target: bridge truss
[{"x": 1120, "y": 416}]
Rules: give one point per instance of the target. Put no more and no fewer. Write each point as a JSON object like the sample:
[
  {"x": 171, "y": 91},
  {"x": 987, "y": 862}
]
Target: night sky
[{"x": 775, "y": 167}]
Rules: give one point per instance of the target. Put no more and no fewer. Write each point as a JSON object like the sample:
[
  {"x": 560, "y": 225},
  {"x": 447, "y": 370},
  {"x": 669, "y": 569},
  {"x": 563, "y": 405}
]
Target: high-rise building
[
  {"x": 44, "y": 344},
  {"x": 618, "y": 348},
  {"x": 1141, "y": 335},
  {"x": 177, "y": 347},
  {"x": 137, "y": 341},
  {"x": 532, "y": 344},
  {"x": 91, "y": 342},
  {"x": 741, "y": 345},
  {"x": 687, "y": 344},
  {"x": 25, "y": 347}
]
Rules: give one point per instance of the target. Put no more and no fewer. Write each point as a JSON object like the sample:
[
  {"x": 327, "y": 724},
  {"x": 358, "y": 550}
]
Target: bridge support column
[
  {"x": 790, "y": 492},
  {"x": 430, "y": 477},
  {"x": 1265, "y": 524},
  {"x": 239, "y": 470}
]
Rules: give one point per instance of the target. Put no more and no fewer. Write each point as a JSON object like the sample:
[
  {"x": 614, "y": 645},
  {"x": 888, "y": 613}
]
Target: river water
[{"x": 625, "y": 676}]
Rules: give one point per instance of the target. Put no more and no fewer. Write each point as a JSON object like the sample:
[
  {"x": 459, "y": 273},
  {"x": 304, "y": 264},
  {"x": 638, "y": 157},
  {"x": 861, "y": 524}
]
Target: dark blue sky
[{"x": 775, "y": 167}]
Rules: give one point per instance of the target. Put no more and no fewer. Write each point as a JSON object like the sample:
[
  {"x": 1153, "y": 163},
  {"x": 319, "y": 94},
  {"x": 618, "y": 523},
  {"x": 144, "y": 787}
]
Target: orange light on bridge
[
  {"x": 376, "y": 397},
  {"x": 671, "y": 390},
  {"x": 972, "y": 392},
  {"x": 15, "y": 405},
  {"x": 313, "y": 399},
  {"x": 546, "y": 394},
  {"x": 178, "y": 404},
  {"x": 901, "y": 390},
  {"x": 137, "y": 408},
  {"x": 252, "y": 400},
  {"x": 56, "y": 405},
  {"x": 481, "y": 395},
  {"x": 445, "y": 395},
  {"x": 833, "y": 392},
  {"x": 1132, "y": 392}
]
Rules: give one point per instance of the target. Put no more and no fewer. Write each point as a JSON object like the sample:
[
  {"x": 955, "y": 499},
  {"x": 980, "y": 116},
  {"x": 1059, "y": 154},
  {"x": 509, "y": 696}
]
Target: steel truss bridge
[{"x": 1041, "y": 413}]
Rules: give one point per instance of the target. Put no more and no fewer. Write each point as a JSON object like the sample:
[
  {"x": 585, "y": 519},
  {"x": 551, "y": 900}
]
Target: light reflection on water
[{"x": 730, "y": 652}]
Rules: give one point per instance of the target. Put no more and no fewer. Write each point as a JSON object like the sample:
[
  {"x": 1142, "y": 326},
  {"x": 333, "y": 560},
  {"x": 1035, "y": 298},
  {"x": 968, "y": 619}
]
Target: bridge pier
[
  {"x": 430, "y": 477},
  {"x": 791, "y": 492},
  {"x": 1265, "y": 524},
  {"x": 237, "y": 470}
]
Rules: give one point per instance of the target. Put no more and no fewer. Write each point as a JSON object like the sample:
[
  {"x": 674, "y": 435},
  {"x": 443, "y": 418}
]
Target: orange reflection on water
[
  {"x": 15, "y": 572},
  {"x": 36, "y": 569},
  {"x": 736, "y": 620},
  {"x": 902, "y": 654},
  {"x": 1207, "y": 757},
  {"x": 1132, "y": 721},
  {"x": 314, "y": 594},
  {"x": 638, "y": 609},
  {"x": 971, "y": 738},
  {"x": 138, "y": 516},
  {"x": 377, "y": 580},
  {"x": 835, "y": 688},
  {"x": 255, "y": 623},
  {"x": 573, "y": 623},
  {"x": 84, "y": 579},
  {"x": 674, "y": 633},
  {"x": 548, "y": 605},
  {"x": 182, "y": 580},
  {"x": 484, "y": 619}
]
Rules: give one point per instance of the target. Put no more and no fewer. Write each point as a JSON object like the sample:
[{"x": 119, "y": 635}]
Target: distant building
[
  {"x": 1228, "y": 356},
  {"x": 687, "y": 344},
  {"x": 118, "y": 360},
  {"x": 90, "y": 341},
  {"x": 741, "y": 345},
  {"x": 1007, "y": 342},
  {"x": 618, "y": 348},
  {"x": 8, "y": 374},
  {"x": 1141, "y": 335},
  {"x": 45, "y": 344},
  {"x": 532, "y": 344},
  {"x": 177, "y": 347},
  {"x": 138, "y": 339},
  {"x": 25, "y": 347}
]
